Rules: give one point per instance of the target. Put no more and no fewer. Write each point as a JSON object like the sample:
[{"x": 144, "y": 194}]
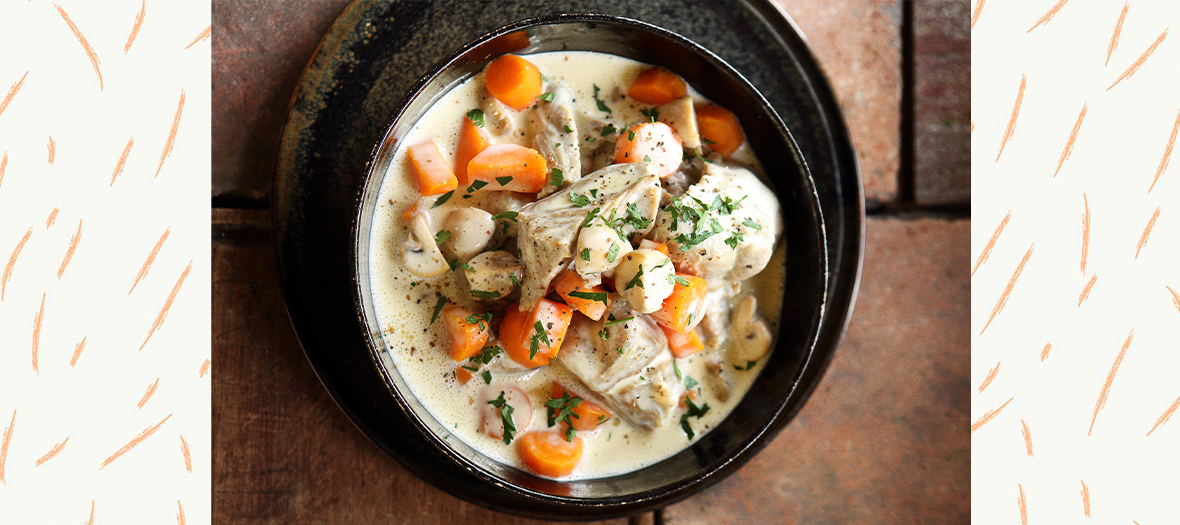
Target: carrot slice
[
  {"x": 590, "y": 414},
  {"x": 653, "y": 142},
  {"x": 518, "y": 329},
  {"x": 654, "y": 245},
  {"x": 509, "y": 167},
  {"x": 548, "y": 453},
  {"x": 464, "y": 339},
  {"x": 719, "y": 126},
  {"x": 682, "y": 345},
  {"x": 514, "y": 81},
  {"x": 462, "y": 374},
  {"x": 472, "y": 140},
  {"x": 656, "y": 86},
  {"x": 569, "y": 282},
  {"x": 431, "y": 172},
  {"x": 683, "y": 310}
]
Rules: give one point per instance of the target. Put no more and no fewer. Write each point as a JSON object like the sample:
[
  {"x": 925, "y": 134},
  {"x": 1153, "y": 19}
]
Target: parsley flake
[
  {"x": 442, "y": 301},
  {"x": 441, "y": 200},
  {"x": 556, "y": 177},
  {"x": 505, "y": 416},
  {"x": 504, "y": 180},
  {"x": 476, "y": 117}
]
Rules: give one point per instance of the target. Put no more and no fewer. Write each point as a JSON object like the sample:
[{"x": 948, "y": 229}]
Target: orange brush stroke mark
[
  {"x": 991, "y": 243},
  {"x": 12, "y": 94},
  {"x": 122, "y": 160},
  {"x": 171, "y": 135},
  {"x": 51, "y": 219},
  {"x": 1165, "y": 416},
  {"x": 990, "y": 415},
  {"x": 990, "y": 376},
  {"x": 52, "y": 452},
  {"x": 1175, "y": 298},
  {"x": 204, "y": 34},
  {"x": 1167, "y": 154},
  {"x": 1147, "y": 232},
  {"x": 1048, "y": 15},
  {"x": 135, "y": 441},
  {"x": 1008, "y": 289},
  {"x": 188, "y": 459},
  {"x": 1118, "y": 29},
  {"x": 12, "y": 262},
  {"x": 91, "y": 520},
  {"x": 147, "y": 263},
  {"x": 1073, "y": 136},
  {"x": 1085, "y": 498},
  {"x": 1086, "y": 290},
  {"x": 1045, "y": 351},
  {"x": 1134, "y": 68},
  {"x": 179, "y": 513},
  {"x": 3, "y": 167},
  {"x": 85, "y": 45},
  {"x": 135, "y": 28},
  {"x": 1012, "y": 119},
  {"x": 1085, "y": 231},
  {"x": 1023, "y": 506},
  {"x": 70, "y": 251},
  {"x": 1027, "y": 438},
  {"x": 205, "y": 367},
  {"x": 37, "y": 333},
  {"x": 1109, "y": 381},
  {"x": 4, "y": 445},
  {"x": 52, "y": 150},
  {"x": 975, "y": 14},
  {"x": 167, "y": 305},
  {"x": 148, "y": 395},
  {"x": 77, "y": 352}
]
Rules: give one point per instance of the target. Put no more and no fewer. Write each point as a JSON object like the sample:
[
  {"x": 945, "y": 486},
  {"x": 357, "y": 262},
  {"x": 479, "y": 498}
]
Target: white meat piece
[{"x": 550, "y": 138}]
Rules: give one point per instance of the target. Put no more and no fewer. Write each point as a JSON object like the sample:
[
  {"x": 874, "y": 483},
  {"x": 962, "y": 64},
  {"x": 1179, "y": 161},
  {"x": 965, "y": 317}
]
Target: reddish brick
[
  {"x": 884, "y": 437},
  {"x": 859, "y": 44},
  {"x": 942, "y": 102}
]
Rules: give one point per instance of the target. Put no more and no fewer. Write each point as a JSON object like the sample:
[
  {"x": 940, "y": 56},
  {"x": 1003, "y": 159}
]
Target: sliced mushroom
[
  {"x": 499, "y": 120},
  {"x": 419, "y": 253},
  {"x": 718, "y": 384},
  {"x": 471, "y": 229},
  {"x": 494, "y": 273},
  {"x": 643, "y": 278},
  {"x": 751, "y": 335},
  {"x": 682, "y": 117},
  {"x": 491, "y": 417},
  {"x": 600, "y": 250}
]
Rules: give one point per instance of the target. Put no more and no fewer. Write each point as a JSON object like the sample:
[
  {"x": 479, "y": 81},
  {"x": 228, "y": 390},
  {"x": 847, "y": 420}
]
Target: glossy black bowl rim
[{"x": 733, "y": 458}]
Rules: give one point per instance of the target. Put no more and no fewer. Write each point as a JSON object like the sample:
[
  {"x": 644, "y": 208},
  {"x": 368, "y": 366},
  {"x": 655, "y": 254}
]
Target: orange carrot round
[
  {"x": 431, "y": 172},
  {"x": 464, "y": 339},
  {"x": 548, "y": 453},
  {"x": 518, "y": 329},
  {"x": 472, "y": 140},
  {"x": 656, "y": 86},
  {"x": 682, "y": 345},
  {"x": 683, "y": 310},
  {"x": 569, "y": 282},
  {"x": 719, "y": 126},
  {"x": 514, "y": 81},
  {"x": 590, "y": 414},
  {"x": 653, "y": 142},
  {"x": 509, "y": 167}
]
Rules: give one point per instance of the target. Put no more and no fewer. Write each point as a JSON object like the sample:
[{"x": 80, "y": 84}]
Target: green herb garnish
[
  {"x": 637, "y": 280},
  {"x": 612, "y": 253},
  {"x": 476, "y": 117},
  {"x": 487, "y": 377},
  {"x": 693, "y": 411},
  {"x": 504, "y": 180},
  {"x": 579, "y": 200},
  {"x": 607, "y": 130},
  {"x": 547, "y": 97},
  {"x": 752, "y": 224},
  {"x": 485, "y": 295},
  {"x": 585, "y": 254},
  {"x": 481, "y": 320},
  {"x": 442, "y": 236},
  {"x": 561, "y": 409},
  {"x": 591, "y": 296},
  {"x": 539, "y": 337},
  {"x": 556, "y": 177},
  {"x": 510, "y": 215},
  {"x": 442, "y": 301},
  {"x": 505, "y": 416},
  {"x": 617, "y": 321},
  {"x": 601, "y": 105},
  {"x": 567, "y": 128},
  {"x": 445, "y": 197}
]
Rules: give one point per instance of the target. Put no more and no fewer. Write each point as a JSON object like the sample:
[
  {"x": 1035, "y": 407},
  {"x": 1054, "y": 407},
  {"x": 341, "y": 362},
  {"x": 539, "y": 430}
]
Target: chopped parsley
[
  {"x": 442, "y": 301},
  {"x": 617, "y": 321},
  {"x": 707, "y": 141},
  {"x": 539, "y": 337},
  {"x": 579, "y": 200},
  {"x": 752, "y": 224},
  {"x": 504, "y": 180},
  {"x": 646, "y": 158},
  {"x": 590, "y": 218},
  {"x": 591, "y": 296},
  {"x": 455, "y": 264},
  {"x": 594, "y": 193},
  {"x": 486, "y": 355},
  {"x": 690, "y": 383},
  {"x": 567, "y": 128},
  {"x": 487, "y": 377},
  {"x": 481, "y": 320},
  {"x": 630, "y": 135},
  {"x": 441, "y": 200},
  {"x": 505, "y": 416},
  {"x": 515, "y": 280},
  {"x": 607, "y": 130},
  {"x": 693, "y": 411},
  {"x": 561, "y": 409},
  {"x": 749, "y": 365},
  {"x": 637, "y": 280},
  {"x": 676, "y": 368},
  {"x": 585, "y": 254},
  {"x": 510, "y": 215},
  {"x": 485, "y": 295},
  {"x": 613, "y": 253},
  {"x": 698, "y": 155},
  {"x": 547, "y": 97},
  {"x": 475, "y": 185},
  {"x": 651, "y": 113},
  {"x": 602, "y": 334},
  {"x": 442, "y": 236},
  {"x": 734, "y": 239},
  {"x": 476, "y": 117},
  {"x": 601, "y": 105},
  {"x": 556, "y": 177},
  {"x": 676, "y": 279}
]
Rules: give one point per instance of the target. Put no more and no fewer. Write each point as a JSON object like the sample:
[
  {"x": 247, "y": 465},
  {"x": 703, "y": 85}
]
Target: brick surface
[
  {"x": 283, "y": 452},
  {"x": 884, "y": 437},
  {"x": 859, "y": 45},
  {"x": 259, "y": 50},
  {"x": 942, "y": 101}
]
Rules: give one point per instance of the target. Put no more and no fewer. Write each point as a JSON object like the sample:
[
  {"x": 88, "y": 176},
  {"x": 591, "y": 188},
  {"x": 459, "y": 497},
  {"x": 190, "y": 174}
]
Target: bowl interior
[{"x": 744, "y": 431}]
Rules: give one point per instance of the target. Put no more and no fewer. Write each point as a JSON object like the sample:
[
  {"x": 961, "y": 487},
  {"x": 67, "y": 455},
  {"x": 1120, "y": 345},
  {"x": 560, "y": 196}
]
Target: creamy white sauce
[{"x": 404, "y": 303}]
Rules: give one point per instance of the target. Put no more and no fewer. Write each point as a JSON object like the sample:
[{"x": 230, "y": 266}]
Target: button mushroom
[
  {"x": 493, "y": 273},
  {"x": 470, "y": 230},
  {"x": 600, "y": 250},
  {"x": 420, "y": 254},
  {"x": 751, "y": 335},
  {"x": 644, "y": 279}
]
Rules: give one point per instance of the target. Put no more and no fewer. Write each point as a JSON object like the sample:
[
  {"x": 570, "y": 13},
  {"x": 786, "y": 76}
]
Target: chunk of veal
[
  {"x": 631, "y": 370},
  {"x": 559, "y": 147},
  {"x": 708, "y": 239},
  {"x": 681, "y": 115},
  {"x": 549, "y": 227}
]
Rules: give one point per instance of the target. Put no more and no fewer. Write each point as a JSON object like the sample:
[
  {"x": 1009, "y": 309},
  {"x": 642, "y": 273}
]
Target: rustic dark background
[{"x": 883, "y": 439}]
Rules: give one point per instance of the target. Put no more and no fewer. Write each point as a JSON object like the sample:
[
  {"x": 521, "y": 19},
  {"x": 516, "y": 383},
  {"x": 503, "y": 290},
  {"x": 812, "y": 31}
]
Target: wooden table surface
[{"x": 882, "y": 440}]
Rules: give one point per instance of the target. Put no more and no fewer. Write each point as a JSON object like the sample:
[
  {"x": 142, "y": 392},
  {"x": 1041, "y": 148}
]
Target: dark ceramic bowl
[{"x": 752, "y": 423}]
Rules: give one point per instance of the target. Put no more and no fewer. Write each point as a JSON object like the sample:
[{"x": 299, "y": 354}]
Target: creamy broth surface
[{"x": 404, "y": 302}]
